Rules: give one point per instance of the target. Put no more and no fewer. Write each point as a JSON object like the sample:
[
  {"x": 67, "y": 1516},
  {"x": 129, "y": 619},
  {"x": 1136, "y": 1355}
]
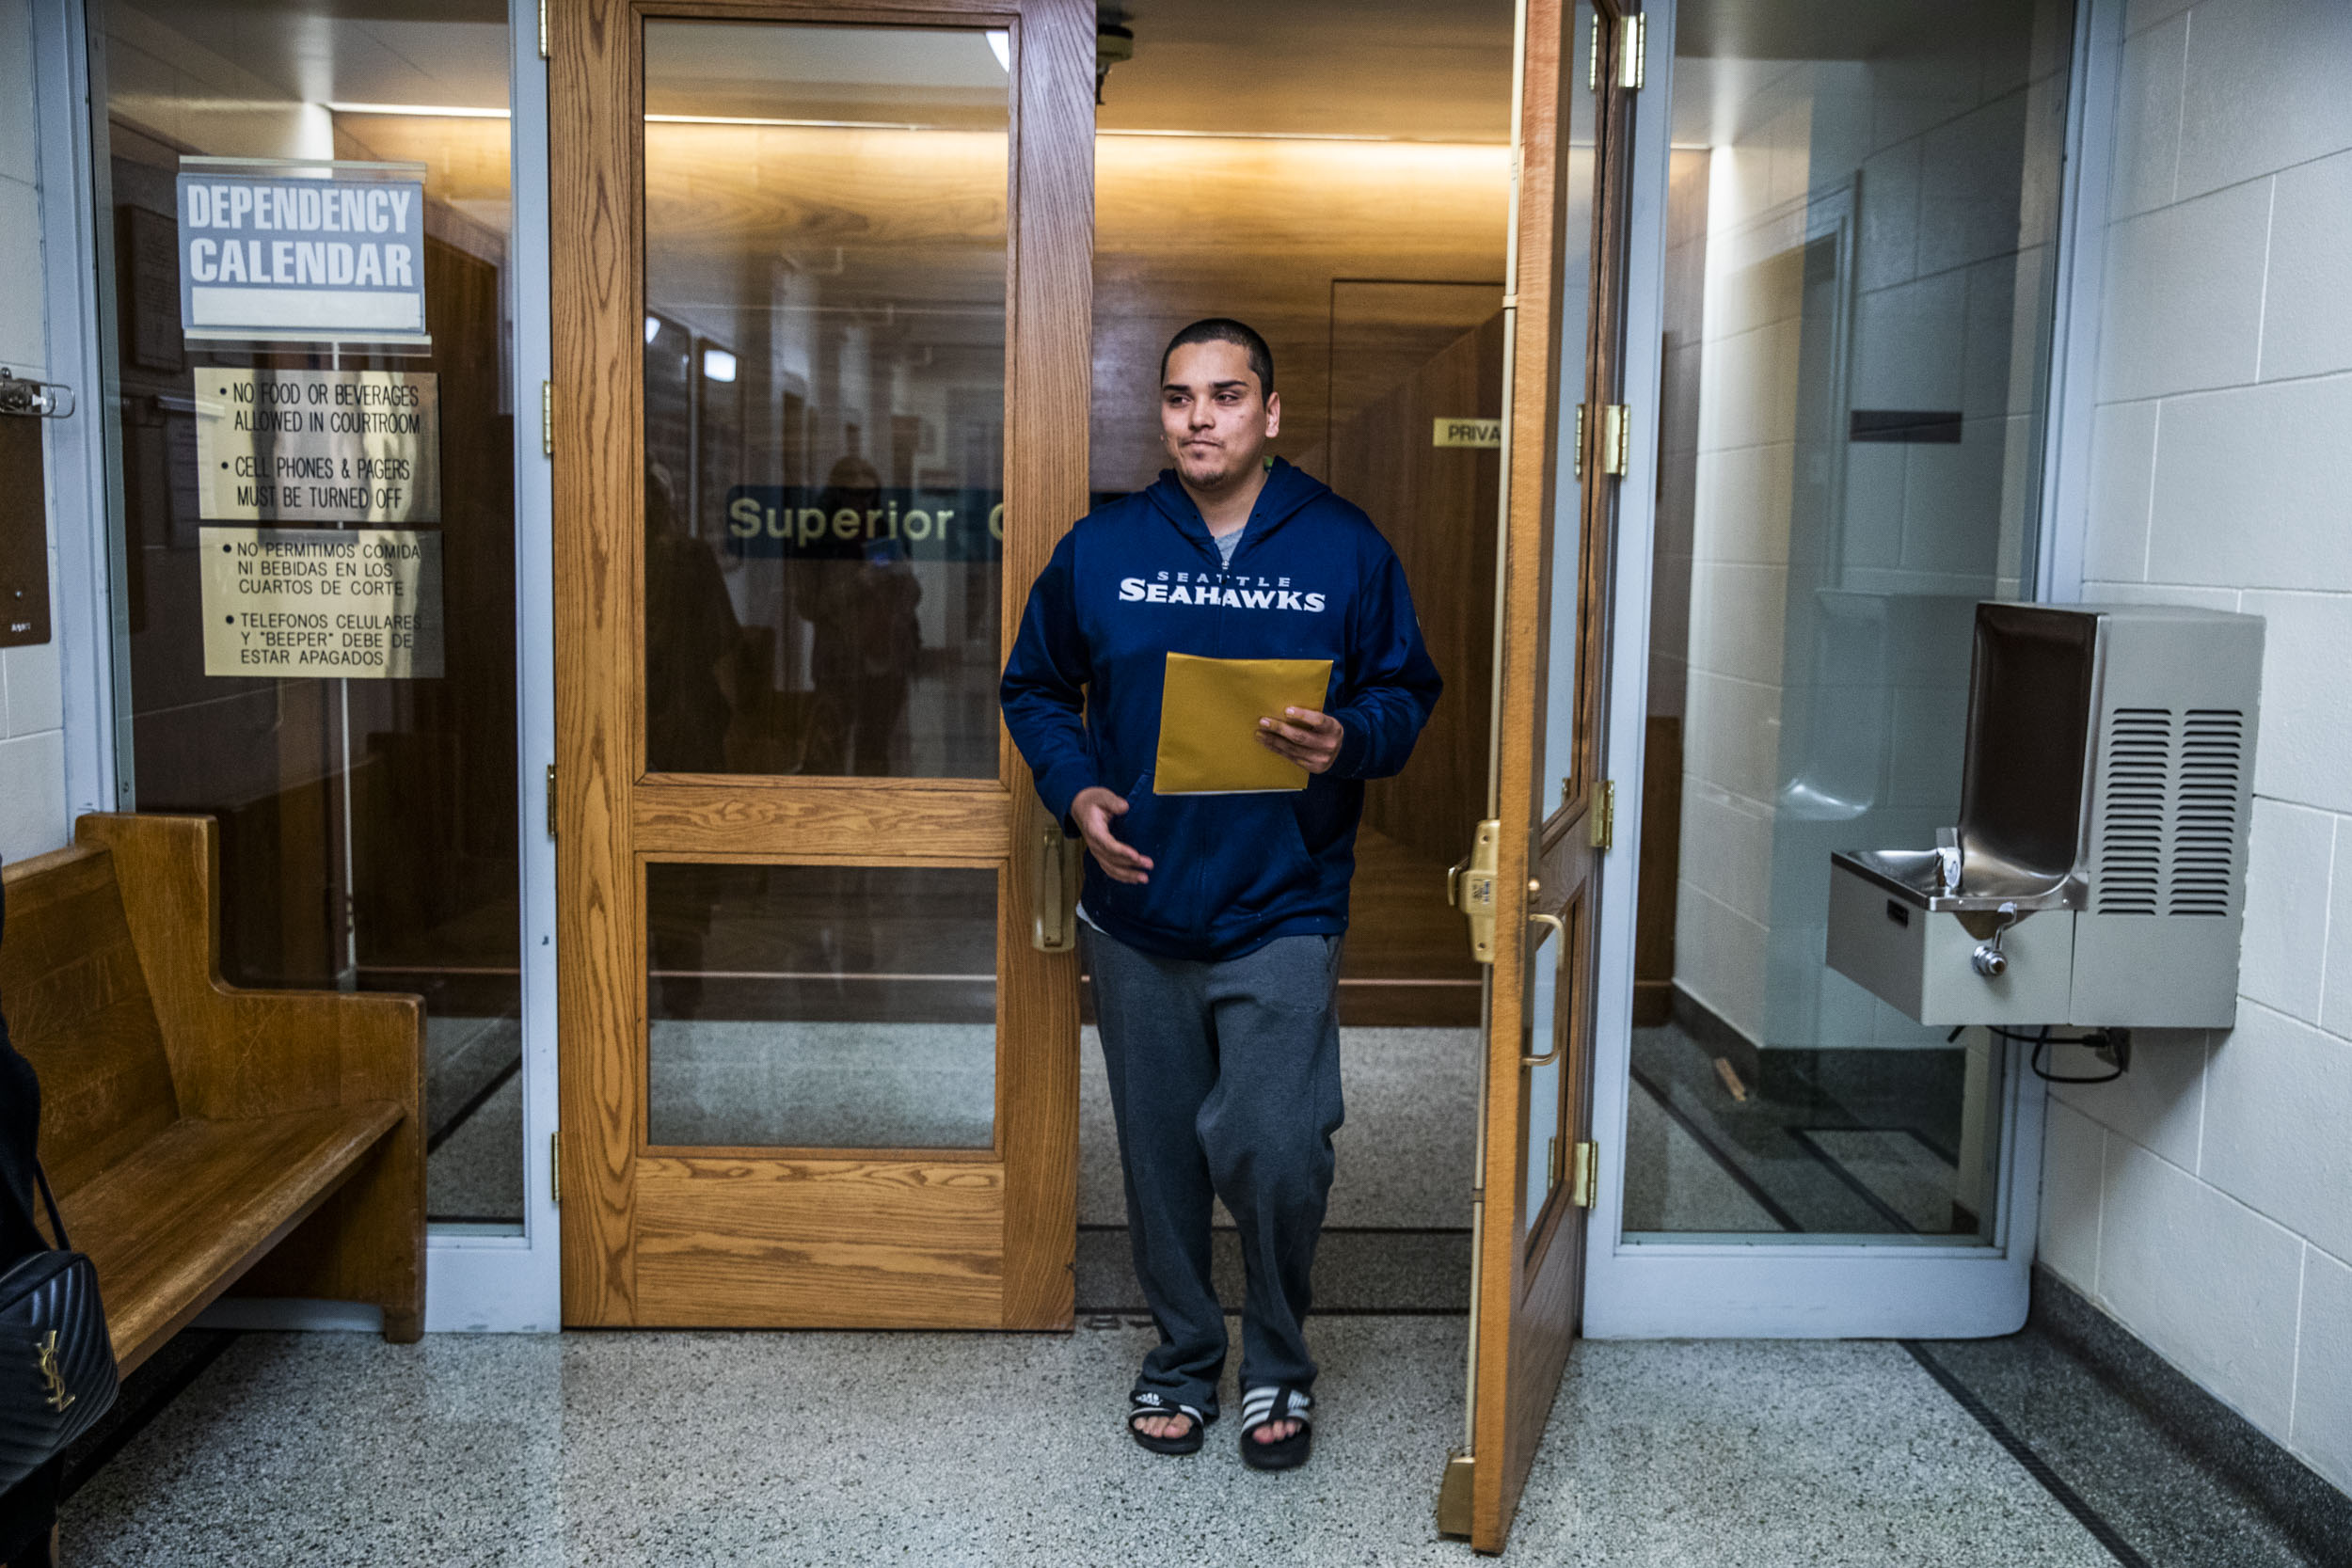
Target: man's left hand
[{"x": 1309, "y": 738}]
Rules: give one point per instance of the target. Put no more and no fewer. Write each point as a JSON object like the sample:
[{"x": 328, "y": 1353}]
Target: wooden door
[
  {"x": 821, "y": 301},
  {"x": 1551, "y": 805}
]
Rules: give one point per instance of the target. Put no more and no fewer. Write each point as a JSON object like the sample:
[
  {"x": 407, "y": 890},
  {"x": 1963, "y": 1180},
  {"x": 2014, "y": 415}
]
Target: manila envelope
[{"x": 1209, "y": 713}]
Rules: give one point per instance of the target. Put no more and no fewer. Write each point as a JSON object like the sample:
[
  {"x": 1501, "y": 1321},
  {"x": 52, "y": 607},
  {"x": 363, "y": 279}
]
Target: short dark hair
[{"x": 1224, "y": 329}]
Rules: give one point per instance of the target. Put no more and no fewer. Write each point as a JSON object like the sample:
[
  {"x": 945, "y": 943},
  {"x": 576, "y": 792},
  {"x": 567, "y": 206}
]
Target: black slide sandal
[
  {"x": 1277, "y": 1401},
  {"x": 1145, "y": 1404}
]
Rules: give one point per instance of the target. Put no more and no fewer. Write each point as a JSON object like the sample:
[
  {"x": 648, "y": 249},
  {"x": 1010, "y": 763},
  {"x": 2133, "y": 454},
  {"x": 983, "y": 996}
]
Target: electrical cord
[
  {"x": 2041, "y": 1042},
  {"x": 2099, "y": 1040}
]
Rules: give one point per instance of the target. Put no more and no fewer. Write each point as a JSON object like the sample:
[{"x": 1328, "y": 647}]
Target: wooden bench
[{"x": 190, "y": 1128}]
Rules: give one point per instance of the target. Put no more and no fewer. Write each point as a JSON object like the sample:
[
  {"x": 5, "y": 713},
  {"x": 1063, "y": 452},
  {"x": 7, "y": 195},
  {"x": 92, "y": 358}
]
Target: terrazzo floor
[
  {"x": 838, "y": 1448},
  {"x": 320, "y": 1450}
]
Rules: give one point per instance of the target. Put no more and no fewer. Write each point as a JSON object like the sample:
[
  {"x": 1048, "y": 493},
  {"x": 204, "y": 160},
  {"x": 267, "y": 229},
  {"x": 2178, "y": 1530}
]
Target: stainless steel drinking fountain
[{"x": 2097, "y": 874}]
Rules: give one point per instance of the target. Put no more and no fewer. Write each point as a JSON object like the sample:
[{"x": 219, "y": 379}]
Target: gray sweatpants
[{"x": 1225, "y": 1081}]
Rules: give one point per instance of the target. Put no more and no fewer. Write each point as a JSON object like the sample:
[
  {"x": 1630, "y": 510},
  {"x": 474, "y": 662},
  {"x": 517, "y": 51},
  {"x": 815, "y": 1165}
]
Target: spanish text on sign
[{"x": 361, "y": 604}]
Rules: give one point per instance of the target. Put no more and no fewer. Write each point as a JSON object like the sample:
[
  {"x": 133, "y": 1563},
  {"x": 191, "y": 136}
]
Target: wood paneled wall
[{"x": 1260, "y": 229}]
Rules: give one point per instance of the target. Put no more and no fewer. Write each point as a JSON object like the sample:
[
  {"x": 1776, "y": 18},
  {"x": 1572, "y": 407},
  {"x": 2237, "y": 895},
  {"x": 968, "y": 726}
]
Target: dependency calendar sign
[{"x": 276, "y": 250}]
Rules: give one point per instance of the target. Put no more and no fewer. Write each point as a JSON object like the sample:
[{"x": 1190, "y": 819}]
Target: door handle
[
  {"x": 1055, "y": 929},
  {"x": 1559, "y": 964}
]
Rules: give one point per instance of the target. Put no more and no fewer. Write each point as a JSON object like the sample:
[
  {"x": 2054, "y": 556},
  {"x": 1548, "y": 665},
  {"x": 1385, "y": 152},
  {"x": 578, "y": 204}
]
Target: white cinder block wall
[
  {"x": 32, "y": 733},
  {"x": 2206, "y": 1200}
]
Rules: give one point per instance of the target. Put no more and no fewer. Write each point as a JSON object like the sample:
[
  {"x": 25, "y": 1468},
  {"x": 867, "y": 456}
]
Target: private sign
[{"x": 1468, "y": 433}]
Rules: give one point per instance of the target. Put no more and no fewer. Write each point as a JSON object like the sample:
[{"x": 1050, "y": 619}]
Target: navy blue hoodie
[{"x": 1140, "y": 578}]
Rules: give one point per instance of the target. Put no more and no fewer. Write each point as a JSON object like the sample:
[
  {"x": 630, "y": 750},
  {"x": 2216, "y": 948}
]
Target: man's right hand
[{"x": 1092, "y": 811}]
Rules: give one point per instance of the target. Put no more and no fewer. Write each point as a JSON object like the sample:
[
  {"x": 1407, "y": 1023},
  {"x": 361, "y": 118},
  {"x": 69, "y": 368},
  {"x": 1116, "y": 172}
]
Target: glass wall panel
[
  {"x": 825, "y": 324},
  {"x": 323, "y": 665},
  {"x": 1858, "y": 297},
  {"x": 821, "y": 1007}
]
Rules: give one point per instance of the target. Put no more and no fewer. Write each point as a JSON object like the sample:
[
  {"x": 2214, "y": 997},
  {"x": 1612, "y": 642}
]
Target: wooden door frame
[
  {"x": 1528, "y": 1266},
  {"x": 611, "y": 817}
]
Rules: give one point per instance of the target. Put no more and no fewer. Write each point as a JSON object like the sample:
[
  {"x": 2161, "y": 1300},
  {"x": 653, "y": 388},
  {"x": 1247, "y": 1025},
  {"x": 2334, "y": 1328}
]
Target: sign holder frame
[{"x": 277, "y": 340}]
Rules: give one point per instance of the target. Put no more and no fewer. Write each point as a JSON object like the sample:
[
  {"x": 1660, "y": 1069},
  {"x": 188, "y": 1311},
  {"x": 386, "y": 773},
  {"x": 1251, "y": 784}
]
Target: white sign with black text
[{"x": 307, "y": 253}]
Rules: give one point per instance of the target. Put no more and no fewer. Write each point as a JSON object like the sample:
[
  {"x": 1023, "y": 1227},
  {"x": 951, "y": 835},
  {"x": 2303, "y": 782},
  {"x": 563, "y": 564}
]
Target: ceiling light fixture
[
  {"x": 1278, "y": 135},
  {"x": 807, "y": 124},
  {"x": 421, "y": 111}
]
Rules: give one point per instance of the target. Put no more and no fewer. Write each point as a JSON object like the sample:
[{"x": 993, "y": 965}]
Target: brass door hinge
[
  {"x": 1632, "y": 40},
  {"x": 546, "y": 419},
  {"x": 555, "y": 1168},
  {"x": 543, "y": 29},
  {"x": 1585, "y": 1174},
  {"x": 1601, "y": 823},
  {"x": 1469, "y": 887},
  {"x": 551, "y": 799},
  {"x": 1617, "y": 437},
  {"x": 1453, "y": 1495}
]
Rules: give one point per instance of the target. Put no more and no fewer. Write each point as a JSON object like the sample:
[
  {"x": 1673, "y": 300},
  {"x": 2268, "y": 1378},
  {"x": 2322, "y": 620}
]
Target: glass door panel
[
  {"x": 816, "y": 1006},
  {"x": 816, "y": 1071},
  {"x": 1549, "y": 811},
  {"x": 825, "y": 331},
  {"x": 1561, "y": 776}
]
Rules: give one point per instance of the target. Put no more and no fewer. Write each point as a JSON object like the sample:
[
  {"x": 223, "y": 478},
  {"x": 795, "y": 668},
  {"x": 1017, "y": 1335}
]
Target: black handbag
[{"x": 56, "y": 1361}]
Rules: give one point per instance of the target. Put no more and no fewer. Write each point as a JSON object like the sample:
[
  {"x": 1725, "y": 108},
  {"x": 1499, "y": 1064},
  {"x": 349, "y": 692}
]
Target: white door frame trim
[
  {"x": 2090, "y": 128},
  {"x": 478, "y": 1284},
  {"x": 83, "y": 615}
]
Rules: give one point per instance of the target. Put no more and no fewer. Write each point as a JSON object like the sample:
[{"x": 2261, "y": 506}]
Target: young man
[{"x": 1212, "y": 922}]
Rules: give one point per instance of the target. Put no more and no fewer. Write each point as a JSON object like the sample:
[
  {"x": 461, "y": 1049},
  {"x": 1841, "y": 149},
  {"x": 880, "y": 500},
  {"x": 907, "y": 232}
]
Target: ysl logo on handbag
[{"x": 58, "y": 1396}]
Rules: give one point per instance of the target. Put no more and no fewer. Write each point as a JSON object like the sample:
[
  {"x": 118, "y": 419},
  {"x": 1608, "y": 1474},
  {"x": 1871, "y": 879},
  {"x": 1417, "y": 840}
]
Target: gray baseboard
[{"x": 2295, "y": 1497}]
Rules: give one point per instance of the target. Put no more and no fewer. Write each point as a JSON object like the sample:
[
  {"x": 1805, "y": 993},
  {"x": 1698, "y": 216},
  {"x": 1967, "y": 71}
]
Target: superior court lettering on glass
[
  {"x": 286, "y": 256},
  {"x": 804, "y": 522}
]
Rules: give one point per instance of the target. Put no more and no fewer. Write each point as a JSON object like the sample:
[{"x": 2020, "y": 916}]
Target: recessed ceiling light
[{"x": 424, "y": 111}]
